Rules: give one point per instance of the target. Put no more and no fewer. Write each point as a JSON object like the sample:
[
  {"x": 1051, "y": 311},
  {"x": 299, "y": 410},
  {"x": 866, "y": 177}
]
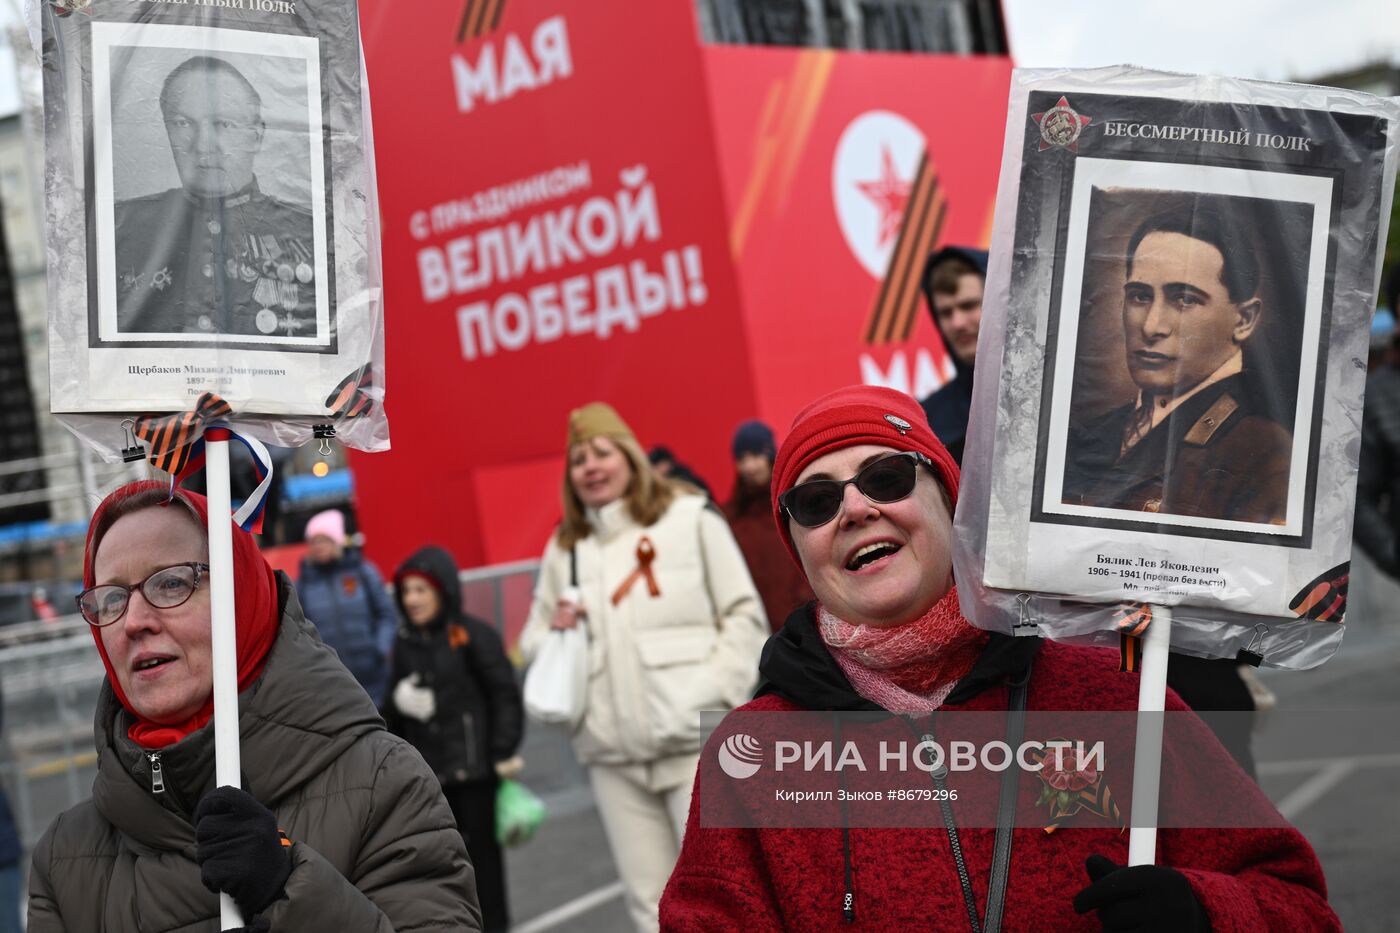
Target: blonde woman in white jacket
[{"x": 675, "y": 626}]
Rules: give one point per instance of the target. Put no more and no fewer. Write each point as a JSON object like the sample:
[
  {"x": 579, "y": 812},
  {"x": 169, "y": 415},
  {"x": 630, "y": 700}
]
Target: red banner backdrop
[
  {"x": 554, "y": 233},
  {"x": 840, "y": 171},
  {"x": 581, "y": 202}
]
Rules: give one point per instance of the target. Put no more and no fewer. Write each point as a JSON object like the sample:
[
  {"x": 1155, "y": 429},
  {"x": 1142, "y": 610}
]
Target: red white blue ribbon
[{"x": 176, "y": 445}]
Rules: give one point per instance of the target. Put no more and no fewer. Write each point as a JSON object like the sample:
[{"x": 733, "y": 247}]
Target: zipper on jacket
[
  {"x": 157, "y": 775},
  {"x": 848, "y": 897},
  {"x": 954, "y": 843}
]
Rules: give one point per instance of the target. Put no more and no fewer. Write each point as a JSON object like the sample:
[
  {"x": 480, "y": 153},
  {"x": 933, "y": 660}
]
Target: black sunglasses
[
  {"x": 165, "y": 589},
  {"x": 888, "y": 479}
]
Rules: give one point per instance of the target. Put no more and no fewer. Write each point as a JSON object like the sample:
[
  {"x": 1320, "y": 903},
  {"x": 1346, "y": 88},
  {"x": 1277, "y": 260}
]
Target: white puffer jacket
[{"x": 656, "y": 661}]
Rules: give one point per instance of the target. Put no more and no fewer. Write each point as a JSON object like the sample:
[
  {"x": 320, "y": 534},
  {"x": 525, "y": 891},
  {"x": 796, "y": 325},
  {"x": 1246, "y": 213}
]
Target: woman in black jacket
[{"x": 456, "y": 699}]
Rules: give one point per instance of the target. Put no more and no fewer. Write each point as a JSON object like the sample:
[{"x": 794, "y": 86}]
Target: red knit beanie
[{"x": 849, "y": 417}]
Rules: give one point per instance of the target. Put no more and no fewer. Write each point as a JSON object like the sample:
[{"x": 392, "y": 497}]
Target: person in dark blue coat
[{"x": 345, "y": 596}]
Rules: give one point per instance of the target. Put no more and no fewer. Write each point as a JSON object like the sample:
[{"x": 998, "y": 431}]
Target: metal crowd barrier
[{"x": 50, "y": 673}]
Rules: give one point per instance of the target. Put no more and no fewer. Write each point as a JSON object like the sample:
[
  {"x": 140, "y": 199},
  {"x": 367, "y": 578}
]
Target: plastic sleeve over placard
[
  {"x": 1171, "y": 366},
  {"x": 212, "y": 217}
]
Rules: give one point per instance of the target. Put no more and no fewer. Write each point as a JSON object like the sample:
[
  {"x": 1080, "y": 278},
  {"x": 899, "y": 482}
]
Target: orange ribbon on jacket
[{"x": 646, "y": 553}]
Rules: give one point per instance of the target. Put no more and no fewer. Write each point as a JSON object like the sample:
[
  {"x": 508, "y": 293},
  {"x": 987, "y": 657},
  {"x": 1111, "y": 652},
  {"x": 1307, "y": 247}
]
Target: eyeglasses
[
  {"x": 888, "y": 479},
  {"x": 164, "y": 589}
]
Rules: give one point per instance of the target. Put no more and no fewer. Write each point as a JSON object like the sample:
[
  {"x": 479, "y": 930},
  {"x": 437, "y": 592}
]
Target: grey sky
[
  {"x": 1295, "y": 40},
  {"x": 1273, "y": 39}
]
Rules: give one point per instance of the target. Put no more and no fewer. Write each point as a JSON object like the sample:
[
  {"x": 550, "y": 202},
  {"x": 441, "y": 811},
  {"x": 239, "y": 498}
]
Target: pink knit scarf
[{"x": 910, "y": 667}]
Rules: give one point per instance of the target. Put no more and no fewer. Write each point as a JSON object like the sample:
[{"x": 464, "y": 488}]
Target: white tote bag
[{"x": 556, "y": 685}]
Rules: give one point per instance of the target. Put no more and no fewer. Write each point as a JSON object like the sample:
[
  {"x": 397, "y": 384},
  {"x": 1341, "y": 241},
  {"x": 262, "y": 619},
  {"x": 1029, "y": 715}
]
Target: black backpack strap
[{"x": 1006, "y": 816}]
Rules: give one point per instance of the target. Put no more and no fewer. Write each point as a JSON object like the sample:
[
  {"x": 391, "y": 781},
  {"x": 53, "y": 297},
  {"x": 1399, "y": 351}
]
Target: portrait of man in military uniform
[
  {"x": 216, "y": 255},
  {"x": 1197, "y": 440}
]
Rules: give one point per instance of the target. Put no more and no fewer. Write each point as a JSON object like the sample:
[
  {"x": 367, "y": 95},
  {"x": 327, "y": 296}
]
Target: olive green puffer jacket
[{"x": 374, "y": 848}]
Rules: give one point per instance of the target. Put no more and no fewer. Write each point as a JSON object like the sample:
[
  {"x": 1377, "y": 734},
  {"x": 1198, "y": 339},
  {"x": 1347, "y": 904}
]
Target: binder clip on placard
[
  {"x": 1253, "y": 653},
  {"x": 132, "y": 451},
  {"x": 323, "y": 433}
]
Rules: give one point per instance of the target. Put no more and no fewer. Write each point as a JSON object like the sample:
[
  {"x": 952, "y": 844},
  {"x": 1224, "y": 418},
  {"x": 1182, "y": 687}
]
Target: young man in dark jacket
[
  {"x": 953, "y": 281},
  {"x": 455, "y": 698}
]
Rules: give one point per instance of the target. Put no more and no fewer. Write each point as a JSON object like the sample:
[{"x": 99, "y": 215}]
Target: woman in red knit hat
[
  {"x": 340, "y": 826},
  {"x": 864, "y": 501}
]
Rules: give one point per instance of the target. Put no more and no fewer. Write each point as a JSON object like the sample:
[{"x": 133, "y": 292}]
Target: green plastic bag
[{"x": 518, "y": 813}]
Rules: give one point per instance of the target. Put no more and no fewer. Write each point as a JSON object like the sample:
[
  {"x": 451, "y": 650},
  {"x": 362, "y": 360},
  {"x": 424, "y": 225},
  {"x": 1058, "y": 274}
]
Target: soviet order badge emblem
[
  {"x": 900, "y": 425},
  {"x": 1060, "y": 126}
]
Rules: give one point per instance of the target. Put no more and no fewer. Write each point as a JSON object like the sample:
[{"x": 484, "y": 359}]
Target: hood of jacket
[
  {"x": 797, "y": 666},
  {"x": 439, "y": 566},
  {"x": 304, "y": 701},
  {"x": 977, "y": 258}
]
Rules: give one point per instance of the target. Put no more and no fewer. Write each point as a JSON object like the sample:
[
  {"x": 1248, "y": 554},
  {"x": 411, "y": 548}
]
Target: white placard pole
[
  {"x": 227, "y": 767},
  {"x": 1147, "y": 757}
]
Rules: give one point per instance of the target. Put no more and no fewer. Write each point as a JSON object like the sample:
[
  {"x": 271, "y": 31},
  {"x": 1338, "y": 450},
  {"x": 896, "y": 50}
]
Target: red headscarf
[{"x": 255, "y": 616}]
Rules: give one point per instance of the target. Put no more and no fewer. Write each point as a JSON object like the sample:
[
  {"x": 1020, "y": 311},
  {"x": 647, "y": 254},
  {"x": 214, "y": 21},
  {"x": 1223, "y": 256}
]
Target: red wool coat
[
  {"x": 906, "y": 879},
  {"x": 780, "y": 582}
]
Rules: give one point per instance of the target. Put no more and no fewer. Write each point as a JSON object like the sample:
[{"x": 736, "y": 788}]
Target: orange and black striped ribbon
[
  {"x": 1325, "y": 598},
  {"x": 478, "y": 18},
  {"x": 646, "y": 553},
  {"x": 897, "y": 304},
  {"x": 349, "y": 399},
  {"x": 171, "y": 438},
  {"x": 1131, "y": 621},
  {"x": 1133, "y": 618},
  {"x": 1129, "y": 653},
  {"x": 1096, "y": 798}
]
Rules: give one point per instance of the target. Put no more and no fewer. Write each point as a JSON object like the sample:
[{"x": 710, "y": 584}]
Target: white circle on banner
[{"x": 872, "y": 176}]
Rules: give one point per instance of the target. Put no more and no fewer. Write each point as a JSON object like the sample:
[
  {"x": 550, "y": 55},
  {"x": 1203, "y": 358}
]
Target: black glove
[
  {"x": 240, "y": 850},
  {"x": 1147, "y": 898}
]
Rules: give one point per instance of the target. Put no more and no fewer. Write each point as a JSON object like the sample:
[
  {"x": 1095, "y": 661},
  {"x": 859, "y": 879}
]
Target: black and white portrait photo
[
  {"x": 210, "y": 206},
  {"x": 1179, "y": 300},
  {"x": 1187, "y": 352}
]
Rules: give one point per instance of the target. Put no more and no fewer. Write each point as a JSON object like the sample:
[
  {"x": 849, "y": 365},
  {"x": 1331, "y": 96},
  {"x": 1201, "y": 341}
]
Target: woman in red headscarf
[
  {"x": 865, "y": 497},
  {"x": 340, "y": 826}
]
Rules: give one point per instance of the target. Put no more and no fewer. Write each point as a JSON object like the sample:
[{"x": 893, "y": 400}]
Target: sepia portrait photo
[
  {"x": 1187, "y": 353},
  {"x": 209, "y": 215}
]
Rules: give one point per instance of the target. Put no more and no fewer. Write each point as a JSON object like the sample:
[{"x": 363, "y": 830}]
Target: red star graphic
[
  {"x": 890, "y": 193},
  {"x": 1060, "y": 126}
]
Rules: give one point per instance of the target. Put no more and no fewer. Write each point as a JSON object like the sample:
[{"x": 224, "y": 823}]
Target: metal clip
[
  {"x": 133, "y": 451},
  {"x": 1253, "y": 653},
  {"x": 1025, "y": 621},
  {"x": 324, "y": 432}
]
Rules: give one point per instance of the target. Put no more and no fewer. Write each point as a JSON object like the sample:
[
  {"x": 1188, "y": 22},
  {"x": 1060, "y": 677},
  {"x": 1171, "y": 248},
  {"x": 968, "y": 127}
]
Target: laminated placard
[
  {"x": 212, "y": 220},
  {"x": 1171, "y": 367}
]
